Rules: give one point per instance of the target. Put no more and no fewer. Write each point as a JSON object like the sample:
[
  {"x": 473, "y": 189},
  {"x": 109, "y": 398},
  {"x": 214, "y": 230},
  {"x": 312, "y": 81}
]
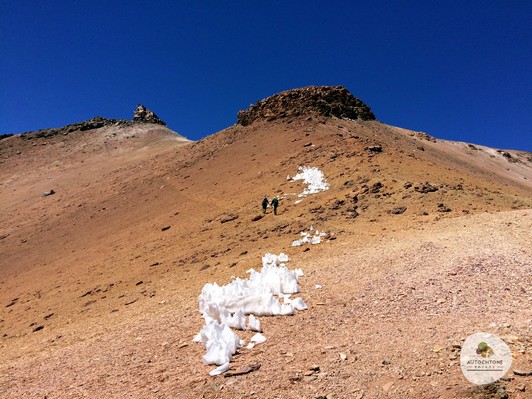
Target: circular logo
[{"x": 484, "y": 358}]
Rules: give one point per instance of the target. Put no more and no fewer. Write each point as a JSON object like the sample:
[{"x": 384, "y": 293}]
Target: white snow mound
[
  {"x": 226, "y": 307},
  {"x": 308, "y": 238},
  {"x": 313, "y": 178}
]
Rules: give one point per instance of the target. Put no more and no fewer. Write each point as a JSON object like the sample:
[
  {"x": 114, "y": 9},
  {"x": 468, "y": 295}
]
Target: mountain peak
[
  {"x": 307, "y": 101},
  {"x": 143, "y": 114}
]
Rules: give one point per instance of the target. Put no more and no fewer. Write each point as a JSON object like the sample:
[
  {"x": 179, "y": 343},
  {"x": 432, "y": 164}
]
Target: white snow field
[
  {"x": 226, "y": 307},
  {"x": 308, "y": 238},
  {"x": 313, "y": 178}
]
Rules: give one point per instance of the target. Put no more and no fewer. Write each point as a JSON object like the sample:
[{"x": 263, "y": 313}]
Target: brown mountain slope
[{"x": 134, "y": 230}]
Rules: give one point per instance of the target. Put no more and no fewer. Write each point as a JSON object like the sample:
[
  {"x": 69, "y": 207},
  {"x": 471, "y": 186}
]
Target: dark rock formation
[
  {"x": 94, "y": 123},
  {"x": 144, "y": 115},
  {"x": 5, "y": 136},
  {"x": 309, "y": 101}
]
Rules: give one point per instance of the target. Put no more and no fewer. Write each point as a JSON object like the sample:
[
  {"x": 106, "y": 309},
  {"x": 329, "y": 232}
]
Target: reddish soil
[{"x": 99, "y": 281}]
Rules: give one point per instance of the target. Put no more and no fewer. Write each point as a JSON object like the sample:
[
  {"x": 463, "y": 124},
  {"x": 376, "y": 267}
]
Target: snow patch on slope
[
  {"x": 313, "y": 178},
  {"x": 226, "y": 307},
  {"x": 307, "y": 237}
]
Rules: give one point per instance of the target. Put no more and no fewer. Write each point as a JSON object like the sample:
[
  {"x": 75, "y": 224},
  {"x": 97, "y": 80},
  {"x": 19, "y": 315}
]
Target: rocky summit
[
  {"x": 144, "y": 115},
  {"x": 308, "y": 101}
]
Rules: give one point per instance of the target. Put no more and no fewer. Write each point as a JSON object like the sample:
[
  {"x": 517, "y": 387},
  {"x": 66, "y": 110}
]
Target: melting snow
[
  {"x": 313, "y": 178},
  {"x": 226, "y": 307},
  {"x": 308, "y": 238}
]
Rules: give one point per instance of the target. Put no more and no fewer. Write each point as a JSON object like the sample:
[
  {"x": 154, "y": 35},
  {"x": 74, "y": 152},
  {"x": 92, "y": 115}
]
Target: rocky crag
[
  {"x": 140, "y": 115},
  {"x": 324, "y": 101}
]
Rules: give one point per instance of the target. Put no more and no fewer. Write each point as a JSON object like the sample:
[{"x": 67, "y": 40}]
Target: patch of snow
[
  {"x": 254, "y": 323},
  {"x": 219, "y": 370},
  {"x": 308, "y": 238},
  {"x": 313, "y": 178},
  {"x": 226, "y": 307},
  {"x": 258, "y": 338},
  {"x": 221, "y": 343}
]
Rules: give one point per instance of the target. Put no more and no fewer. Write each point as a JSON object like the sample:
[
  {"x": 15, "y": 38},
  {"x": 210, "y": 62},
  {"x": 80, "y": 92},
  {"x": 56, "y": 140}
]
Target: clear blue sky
[{"x": 459, "y": 70}]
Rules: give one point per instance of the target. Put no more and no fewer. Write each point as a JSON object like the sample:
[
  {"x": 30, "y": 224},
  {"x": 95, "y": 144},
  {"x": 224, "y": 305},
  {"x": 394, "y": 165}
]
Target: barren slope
[{"x": 91, "y": 280}]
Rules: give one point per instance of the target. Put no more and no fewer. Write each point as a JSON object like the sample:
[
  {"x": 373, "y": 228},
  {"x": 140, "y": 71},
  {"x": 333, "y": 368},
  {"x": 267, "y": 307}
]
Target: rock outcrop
[
  {"x": 144, "y": 115},
  {"x": 309, "y": 101},
  {"x": 140, "y": 115}
]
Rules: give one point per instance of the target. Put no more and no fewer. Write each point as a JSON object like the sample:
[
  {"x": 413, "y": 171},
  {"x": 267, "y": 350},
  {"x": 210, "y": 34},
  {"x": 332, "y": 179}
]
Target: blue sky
[{"x": 459, "y": 70}]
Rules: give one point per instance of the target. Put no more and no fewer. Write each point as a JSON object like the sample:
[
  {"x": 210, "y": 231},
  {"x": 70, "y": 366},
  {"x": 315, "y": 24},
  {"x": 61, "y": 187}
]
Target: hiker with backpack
[
  {"x": 275, "y": 204},
  {"x": 265, "y": 204}
]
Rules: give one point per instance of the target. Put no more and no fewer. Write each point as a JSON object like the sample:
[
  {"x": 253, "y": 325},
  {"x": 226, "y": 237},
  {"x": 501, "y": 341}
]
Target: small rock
[
  {"x": 425, "y": 188},
  {"x": 523, "y": 373},
  {"x": 376, "y": 187},
  {"x": 243, "y": 370},
  {"x": 307, "y": 144},
  {"x": 12, "y": 302},
  {"x": 255, "y": 218},
  {"x": 443, "y": 208},
  {"x": 343, "y": 356},
  {"x": 47, "y": 193},
  {"x": 375, "y": 148},
  {"x": 164, "y": 228},
  {"x": 399, "y": 210},
  {"x": 228, "y": 218},
  {"x": 38, "y": 328}
]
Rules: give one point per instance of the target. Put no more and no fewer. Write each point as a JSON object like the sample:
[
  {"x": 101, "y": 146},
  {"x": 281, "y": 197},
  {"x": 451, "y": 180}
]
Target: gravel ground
[{"x": 388, "y": 322}]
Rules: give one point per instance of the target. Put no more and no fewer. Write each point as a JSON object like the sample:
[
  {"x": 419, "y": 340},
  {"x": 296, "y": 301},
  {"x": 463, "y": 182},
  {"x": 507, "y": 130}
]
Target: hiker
[
  {"x": 265, "y": 204},
  {"x": 275, "y": 204}
]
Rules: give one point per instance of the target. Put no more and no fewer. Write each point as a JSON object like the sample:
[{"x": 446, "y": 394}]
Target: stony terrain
[{"x": 428, "y": 242}]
